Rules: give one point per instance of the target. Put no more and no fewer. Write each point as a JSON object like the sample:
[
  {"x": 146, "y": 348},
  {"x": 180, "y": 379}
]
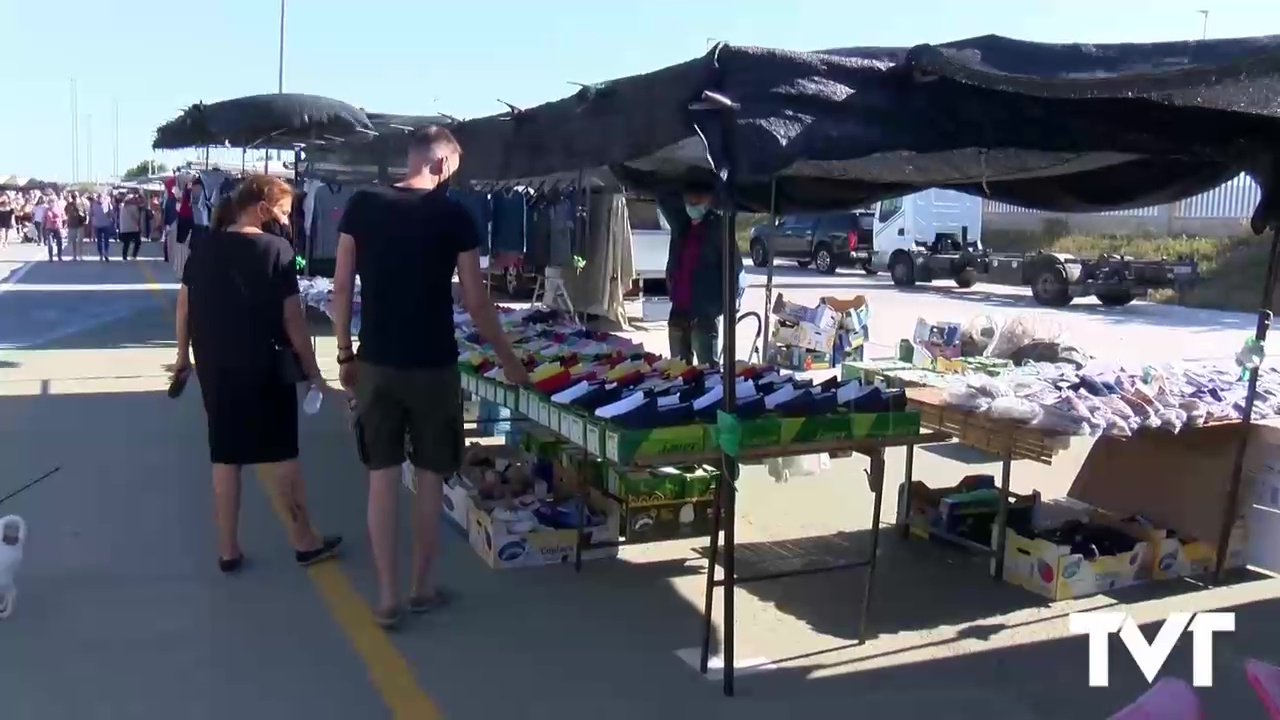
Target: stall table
[{"x": 1004, "y": 438}]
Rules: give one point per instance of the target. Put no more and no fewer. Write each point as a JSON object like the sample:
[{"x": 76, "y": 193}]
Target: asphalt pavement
[{"x": 122, "y": 612}]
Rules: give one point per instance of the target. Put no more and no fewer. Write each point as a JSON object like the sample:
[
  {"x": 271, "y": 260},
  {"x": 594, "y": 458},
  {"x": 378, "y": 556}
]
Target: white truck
[{"x": 922, "y": 229}]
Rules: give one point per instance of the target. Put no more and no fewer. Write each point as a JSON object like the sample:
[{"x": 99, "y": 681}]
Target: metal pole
[
  {"x": 89, "y": 146},
  {"x": 1204, "y": 27},
  {"x": 1231, "y": 509},
  {"x": 115, "y": 141},
  {"x": 768, "y": 279},
  {"x": 75, "y": 135},
  {"x": 280, "y": 66}
]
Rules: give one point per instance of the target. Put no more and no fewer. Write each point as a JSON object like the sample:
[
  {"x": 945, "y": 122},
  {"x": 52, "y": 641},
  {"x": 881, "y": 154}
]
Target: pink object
[
  {"x": 1168, "y": 699},
  {"x": 1266, "y": 682}
]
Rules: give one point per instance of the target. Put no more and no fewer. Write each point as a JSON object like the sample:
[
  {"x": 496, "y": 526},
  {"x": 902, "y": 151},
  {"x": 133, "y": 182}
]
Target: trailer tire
[
  {"x": 514, "y": 285},
  {"x": 902, "y": 269},
  {"x": 866, "y": 268},
  {"x": 1115, "y": 298},
  {"x": 823, "y": 261},
  {"x": 966, "y": 278},
  {"x": 759, "y": 253},
  {"x": 1049, "y": 286}
]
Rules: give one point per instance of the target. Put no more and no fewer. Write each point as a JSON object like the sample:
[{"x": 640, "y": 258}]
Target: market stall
[
  {"x": 1060, "y": 127},
  {"x": 1115, "y": 126}
]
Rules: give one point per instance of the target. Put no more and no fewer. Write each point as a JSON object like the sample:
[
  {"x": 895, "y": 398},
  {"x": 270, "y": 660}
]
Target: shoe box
[
  {"x": 1055, "y": 572},
  {"x": 503, "y": 546},
  {"x": 966, "y": 510},
  {"x": 779, "y": 431},
  {"x": 456, "y": 500},
  {"x": 1176, "y": 557},
  {"x": 664, "y": 503}
]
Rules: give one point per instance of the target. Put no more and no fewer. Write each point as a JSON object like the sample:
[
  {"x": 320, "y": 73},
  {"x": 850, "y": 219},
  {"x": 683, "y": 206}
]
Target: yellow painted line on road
[{"x": 389, "y": 671}]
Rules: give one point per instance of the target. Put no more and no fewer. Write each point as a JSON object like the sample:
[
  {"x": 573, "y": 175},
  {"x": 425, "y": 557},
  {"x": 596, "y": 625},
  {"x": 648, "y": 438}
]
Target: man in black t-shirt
[{"x": 404, "y": 242}]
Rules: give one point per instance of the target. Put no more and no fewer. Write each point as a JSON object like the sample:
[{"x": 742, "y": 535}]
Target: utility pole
[
  {"x": 280, "y": 65},
  {"x": 75, "y": 134},
  {"x": 279, "y": 87},
  {"x": 115, "y": 141},
  {"x": 1204, "y": 27},
  {"x": 89, "y": 142}
]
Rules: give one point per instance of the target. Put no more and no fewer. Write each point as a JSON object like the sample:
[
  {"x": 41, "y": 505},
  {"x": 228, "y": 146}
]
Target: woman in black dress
[{"x": 238, "y": 309}]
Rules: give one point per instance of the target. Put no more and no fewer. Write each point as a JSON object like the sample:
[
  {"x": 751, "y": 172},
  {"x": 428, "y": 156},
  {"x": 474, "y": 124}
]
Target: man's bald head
[{"x": 434, "y": 150}]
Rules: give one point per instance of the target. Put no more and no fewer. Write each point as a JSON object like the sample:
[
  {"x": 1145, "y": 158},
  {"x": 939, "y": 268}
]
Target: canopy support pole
[
  {"x": 1231, "y": 509},
  {"x": 768, "y": 278}
]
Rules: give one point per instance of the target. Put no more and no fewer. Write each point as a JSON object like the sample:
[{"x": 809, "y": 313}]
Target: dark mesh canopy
[
  {"x": 1077, "y": 128},
  {"x": 277, "y": 121}
]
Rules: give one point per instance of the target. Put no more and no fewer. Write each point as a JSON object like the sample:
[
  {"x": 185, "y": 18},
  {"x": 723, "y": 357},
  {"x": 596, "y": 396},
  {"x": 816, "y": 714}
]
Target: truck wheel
[
  {"x": 759, "y": 253},
  {"x": 866, "y": 268},
  {"x": 1050, "y": 288},
  {"x": 902, "y": 270},
  {"x": 823, "y": 261},
  {"x": 967, "y": 278},
  {"x": 1115, "y": 298},
  {"x": 513, "y": 283}
]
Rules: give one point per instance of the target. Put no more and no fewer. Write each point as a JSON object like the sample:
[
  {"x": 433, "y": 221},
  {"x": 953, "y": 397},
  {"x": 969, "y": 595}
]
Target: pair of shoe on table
[{"x": 657, "y": 402}]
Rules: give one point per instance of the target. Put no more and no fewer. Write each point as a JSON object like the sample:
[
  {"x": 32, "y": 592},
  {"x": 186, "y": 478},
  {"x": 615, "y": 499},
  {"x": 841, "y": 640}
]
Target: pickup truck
[{"x": 827, "y": 240}]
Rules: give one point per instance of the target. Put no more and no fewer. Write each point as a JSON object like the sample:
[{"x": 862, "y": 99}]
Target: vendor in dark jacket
[{"x": 696, "y": 266}]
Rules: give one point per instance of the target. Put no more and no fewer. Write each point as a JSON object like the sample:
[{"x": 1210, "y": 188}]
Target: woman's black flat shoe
[
  {"x": 328, "y": 549},
  {"x": 231, "y": 565}
]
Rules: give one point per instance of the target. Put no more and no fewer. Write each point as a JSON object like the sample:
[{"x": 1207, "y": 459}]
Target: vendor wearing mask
[{"x": 695, "y": 273}]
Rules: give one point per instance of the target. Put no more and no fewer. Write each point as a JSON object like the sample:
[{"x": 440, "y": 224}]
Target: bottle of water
[{"x": 311, "y": 405}]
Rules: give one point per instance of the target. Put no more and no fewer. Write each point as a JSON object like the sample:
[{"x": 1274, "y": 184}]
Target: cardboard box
[
  {"x": 1179, "y": 557},
  {"x": 776, "y": 431},
  {"x": 823, "y": 317},
  {"x": 456, "y": 500},
  {"x": 1180, "y": 482},
  {"x": 661, "y": 521},
  {"x": 503, "y": 549},
  {"x": 659, "y": 446},
  {"x": 805, "y": 335},
  {"x": 1053, "y": 571}
]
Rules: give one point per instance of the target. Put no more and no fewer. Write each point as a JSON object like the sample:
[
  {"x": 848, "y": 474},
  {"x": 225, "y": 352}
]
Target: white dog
[{"x": 13, "y": 535}]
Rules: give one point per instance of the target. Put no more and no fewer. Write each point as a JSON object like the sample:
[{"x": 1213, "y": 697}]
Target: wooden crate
[{"x": 999, "y": 437}]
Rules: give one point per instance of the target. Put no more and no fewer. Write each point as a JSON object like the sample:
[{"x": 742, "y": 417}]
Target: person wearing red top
[{"x": 695, "y": 271}]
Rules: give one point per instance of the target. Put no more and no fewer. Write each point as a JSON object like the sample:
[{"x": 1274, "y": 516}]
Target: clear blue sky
[{"x": 421, "y": 56}]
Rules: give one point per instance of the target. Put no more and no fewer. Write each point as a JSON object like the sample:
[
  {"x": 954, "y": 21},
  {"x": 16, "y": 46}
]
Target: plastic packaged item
[
  {"x": 1197, "y": 412},
  {"x": 961, "y": 395},
  {"x": 1060, "y": 422},
  {"x": 1116, "y": 427},
  {"x": 1016, "y": 409},
  {"x": 311, "y": 404},
  {"x": 1172, "y": 420}
]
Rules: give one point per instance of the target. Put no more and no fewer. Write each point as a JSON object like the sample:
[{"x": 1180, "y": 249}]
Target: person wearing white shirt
[{"x": 37, "y": 217}]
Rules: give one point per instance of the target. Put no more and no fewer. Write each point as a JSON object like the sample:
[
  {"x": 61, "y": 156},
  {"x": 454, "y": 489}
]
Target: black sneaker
[
  {"x": 230, "y": 566},
  {"x": 328, "y": 549}
]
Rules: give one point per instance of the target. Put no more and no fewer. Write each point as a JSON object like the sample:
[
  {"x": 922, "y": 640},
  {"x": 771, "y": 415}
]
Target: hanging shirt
[
  {"x": 184, "y": 206},
  {"x": 330, "y": 201},
  {"x": 682, "y": 284}
]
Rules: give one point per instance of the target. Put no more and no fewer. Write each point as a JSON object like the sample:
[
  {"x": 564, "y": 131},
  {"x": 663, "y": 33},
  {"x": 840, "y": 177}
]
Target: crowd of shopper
[{"x": 63, "y": 221}]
